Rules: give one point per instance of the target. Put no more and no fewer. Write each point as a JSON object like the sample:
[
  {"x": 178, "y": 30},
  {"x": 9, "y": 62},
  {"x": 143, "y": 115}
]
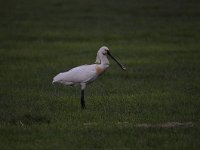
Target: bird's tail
[
  {"x": 53, "y": 82},
  {"x": 56, "y": 79}
]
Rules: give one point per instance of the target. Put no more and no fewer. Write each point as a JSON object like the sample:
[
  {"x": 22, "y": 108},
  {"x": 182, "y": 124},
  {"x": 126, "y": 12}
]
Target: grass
[{"x": 158, "y": 42}]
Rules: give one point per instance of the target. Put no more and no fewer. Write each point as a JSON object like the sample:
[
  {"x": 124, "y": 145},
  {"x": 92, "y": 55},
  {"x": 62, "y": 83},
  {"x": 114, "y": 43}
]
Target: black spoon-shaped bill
[{"x": 122, "y": 66}]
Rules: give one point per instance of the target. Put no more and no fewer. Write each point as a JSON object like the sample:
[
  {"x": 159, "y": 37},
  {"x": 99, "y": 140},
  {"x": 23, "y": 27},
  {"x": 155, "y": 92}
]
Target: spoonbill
[{"x": 82, "y": 75}]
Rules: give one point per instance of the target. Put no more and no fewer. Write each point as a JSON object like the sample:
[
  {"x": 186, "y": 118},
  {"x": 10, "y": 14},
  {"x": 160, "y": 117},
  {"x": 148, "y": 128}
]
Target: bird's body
[{"x": 82, "y": 75}]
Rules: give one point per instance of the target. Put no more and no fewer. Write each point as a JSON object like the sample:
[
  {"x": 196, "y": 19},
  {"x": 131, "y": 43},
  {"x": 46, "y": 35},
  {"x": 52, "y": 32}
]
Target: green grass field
[{"x": 158, "y": 41}]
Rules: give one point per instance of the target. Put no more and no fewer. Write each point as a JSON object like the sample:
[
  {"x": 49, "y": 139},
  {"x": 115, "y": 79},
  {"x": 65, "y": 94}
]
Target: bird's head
[{"x": 103, "y": 51}]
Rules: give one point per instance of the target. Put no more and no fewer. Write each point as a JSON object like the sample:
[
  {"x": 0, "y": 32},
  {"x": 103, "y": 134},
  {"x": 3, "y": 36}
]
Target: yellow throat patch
[{"x": 99, "y": 70}]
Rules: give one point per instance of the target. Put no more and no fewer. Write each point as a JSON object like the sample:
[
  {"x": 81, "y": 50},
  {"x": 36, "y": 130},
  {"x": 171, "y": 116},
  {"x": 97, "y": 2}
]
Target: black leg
[{"x": 82, "y": 100}]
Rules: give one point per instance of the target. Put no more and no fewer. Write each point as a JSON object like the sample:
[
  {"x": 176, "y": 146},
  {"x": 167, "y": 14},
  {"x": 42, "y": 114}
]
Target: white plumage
[
  {"x": 77, "y": 75},
  {"x": 84, "y": 74}
]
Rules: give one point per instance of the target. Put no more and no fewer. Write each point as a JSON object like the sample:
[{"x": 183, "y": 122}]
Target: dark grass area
[{"x": 158, "y": 41}]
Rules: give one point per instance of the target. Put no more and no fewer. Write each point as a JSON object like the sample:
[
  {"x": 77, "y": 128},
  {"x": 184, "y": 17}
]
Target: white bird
[{"x": 82, "y": 75}]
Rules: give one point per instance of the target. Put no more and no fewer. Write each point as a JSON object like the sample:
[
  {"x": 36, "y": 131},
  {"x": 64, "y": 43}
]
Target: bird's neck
[
  {"x": 104, "y": 66},
  {"x": 104, "y": 60}
]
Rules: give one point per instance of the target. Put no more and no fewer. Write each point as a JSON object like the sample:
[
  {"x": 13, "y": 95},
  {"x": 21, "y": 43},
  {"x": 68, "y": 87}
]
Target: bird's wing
[{"x": 78, "y": 74}]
